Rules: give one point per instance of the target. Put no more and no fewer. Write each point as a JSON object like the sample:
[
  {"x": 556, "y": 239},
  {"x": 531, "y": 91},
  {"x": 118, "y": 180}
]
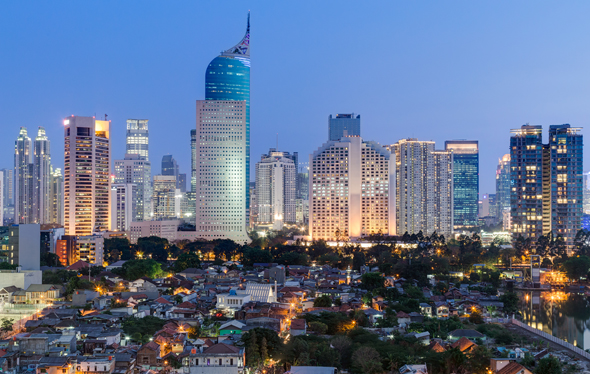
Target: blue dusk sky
[{"x": 432, "y": 70}]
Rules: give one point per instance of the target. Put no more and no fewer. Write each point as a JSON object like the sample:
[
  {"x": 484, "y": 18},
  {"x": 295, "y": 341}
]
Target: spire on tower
[{"x": 243, "y": 47}]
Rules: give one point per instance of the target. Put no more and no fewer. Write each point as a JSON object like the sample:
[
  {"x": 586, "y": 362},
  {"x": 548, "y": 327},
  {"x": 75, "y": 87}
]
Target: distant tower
[
  {"x": 134, "y": 170},
  {"x": 23, "y": 178},
  {"x": 42, "y": 178},
  {"x": 56, "y": 196},
  {"x": 87, "y": 175},
  {"x": 138, "y": 138},
  {"x": 343, "y": 125},
  {"x": 466, "y": 181}
]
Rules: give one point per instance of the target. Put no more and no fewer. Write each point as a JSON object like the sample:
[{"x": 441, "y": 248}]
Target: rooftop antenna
[{"x": 105, "y": 117}]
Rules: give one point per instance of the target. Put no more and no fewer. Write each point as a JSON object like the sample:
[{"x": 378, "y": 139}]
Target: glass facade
[
  {"x": 343, "y": 125},
  {"x": 465, "y": 181},
  {"x": 228, "y": 78},
  {"x": 503, "y": 186},
  {"x": 138, "y": 138}
]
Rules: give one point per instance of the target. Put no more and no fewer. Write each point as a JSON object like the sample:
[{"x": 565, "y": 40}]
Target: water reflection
[{"x": 564, "y": 315}]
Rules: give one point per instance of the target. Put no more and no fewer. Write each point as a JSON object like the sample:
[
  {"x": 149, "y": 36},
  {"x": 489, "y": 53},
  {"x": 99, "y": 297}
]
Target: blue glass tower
[
  {"x": 465, "y": 181},
  {"x": 228, "y": 78}
]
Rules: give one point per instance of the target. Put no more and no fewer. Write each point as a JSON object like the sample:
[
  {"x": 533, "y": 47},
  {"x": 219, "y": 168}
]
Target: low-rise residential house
[
  {"x": 231, "y": 328},
  {"x": 96, "y": 365},
  {"x": 403, "y": 319},
  {"x": 426, "y": 309},
  {"x": 143, "y": 285},
  {"x": 373, "y": 314},
  {"x": 413, "y": 369},
  {"x": 56, "y": 365},
  {"x": 6, "y": 294},
  {"x": 441, "y": 309},
  {"x": 150, "y": 356},
  {"x": 42, "y": 293},
  {"x": 124, "y": 363},
  {"x": 507, "y": 366},
  {"x": 218, "y": 359},
  {"x": 464, "y": 345},
  {"x": 298, "y": 327},
  {"x": 101, "y": 302},
  {"x": 466, "y": 333},
  {"x": 232, "y": 301}
]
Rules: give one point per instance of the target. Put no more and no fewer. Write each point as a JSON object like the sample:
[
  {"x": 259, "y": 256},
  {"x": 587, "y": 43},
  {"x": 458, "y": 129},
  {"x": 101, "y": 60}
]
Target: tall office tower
[
  {"x": 587, "y": 193},
  {"x": 138, "y": 138},
  {"x": 42, "y": 177},
  {"x": 56, "y": 197},
  {"x": 87, "y": 185},
  {"x": 253, "y": 206},
  {"x": 164, "y": 197},
  {"x": 566, "y": 168},
  {"x": 228, "y": 79},
  {"x": 502, "y": 186},
  {"x": 169, "y": 166},
  {"x": 2, "y": 199},
  {"x": 123, "y": 206},
  {"x": 466, "y": 181},
  {"x": 133, "y": 170},
  {"x": 547, "y": 182},
  {"x": 276, "y": 180},
  {"x": 7, "y": 190},
  {"x": 302, "y": 202},
  {"x": 343, "y": 125},
  {"x": 194, "y": 161},
  {"x": 351, "y": 189},
  {"x": 23, "y": 179},
  {"x": 443, "y": 192},
  {"x": 181, "y": 185},
  {"x": 221, "y": 161}
]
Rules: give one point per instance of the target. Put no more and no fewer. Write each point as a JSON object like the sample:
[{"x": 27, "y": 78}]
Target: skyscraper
[
  {"x": 465, "y": 181},
  {"x": 443, "y": 193},
  {"x": 23, "y": 179},
  {"x": 8, "y": 194},
  {"x": 138, "y": 138},
  {"x": 87, "y": 187},
  {"x": 164, "y": 197},
  {"x": 352, "y": 187},
  {"x": 194, "y": 161},
  {"x": 502, "y": 186},
  {"x": 223, "y": 130},
  {"x": 123, "y": 206},
  {"x": 42, "y": 178},
  {"x": 276, "y": 178},
  {"x": 546, "y": 182},
  {"x": 343, "y": 125},
  {"x": 56, "y": 196},
  {"x": 133, "y": 170},
  {"x": 169, "y": 166}
]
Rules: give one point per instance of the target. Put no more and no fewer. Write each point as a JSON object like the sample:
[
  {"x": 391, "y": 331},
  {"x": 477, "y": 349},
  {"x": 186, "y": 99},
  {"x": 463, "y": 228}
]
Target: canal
[{"x": 563, "y": 315}]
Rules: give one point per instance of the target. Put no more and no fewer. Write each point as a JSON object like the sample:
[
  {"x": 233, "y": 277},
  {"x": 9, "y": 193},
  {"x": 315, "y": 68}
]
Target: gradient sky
[{"x": 435, "y": 70}]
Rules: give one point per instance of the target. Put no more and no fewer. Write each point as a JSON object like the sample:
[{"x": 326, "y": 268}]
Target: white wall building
[
  {"x": 42, "y": 177},
  {"x": 90, "y": 249},
  {"x": 218, "y": 359},
  {"x": 123, "y": 206},
  {"x": 133, "y": 169},
  {"x": 165, "y": 205},
  {"x": 232, "y": 300},
  {"x": 221, "y": 170},
  {"x": 351, "y": 190},
  {"x": 443, "y": 192},
  {"x": 137, "y": 139},
  {"x": 276, "y": 185}
]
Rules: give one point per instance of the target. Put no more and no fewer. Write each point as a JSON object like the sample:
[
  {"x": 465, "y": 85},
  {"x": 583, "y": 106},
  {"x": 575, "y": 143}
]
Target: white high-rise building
[
  {"x": 424, "y": 188},
  {"x": 351, "y": 190},
  {"x": 2, "y": 199},
  {"x": 276, "y": 187},
  {"x": 42, "y": 178},
  {"x": 134, "y": 170},
  {"x": 87, "y": 186},
  {"x": 138, "y": 138},
  {"x": 123, "y": 206},
  {"x": 222, "y": 182},
  {"x": 23, "y": 179}
]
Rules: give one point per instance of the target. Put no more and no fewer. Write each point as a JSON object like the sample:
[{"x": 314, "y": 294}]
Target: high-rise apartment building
[
  {"x": 351, "y": 190},
  {"x": 87, "y": 187},
  {"x": 343, "y": 125},
  {"x": 2, "y": 199},
  {"x": 123, "y": 206},
  {"x": 42, "y": 178},
  {"x": 165, "y": 204},
  {"x": 443, "y": 193},
  {"x": 8, "y": 194},
  {"x": 546, "y": 182},
  {"x": 466, "y": 181},
  {"x": 194, "y": 161},
  {"x": 23, "y": 179},
  {"x": 228, "y": 79},
  {"x": 56, "y": 195},
  {"x": 276, "y": 180},
  {"x": 134, "y": 170},
  {"x": 502, "y": 186},
  {"x": 138, "y": 138}
]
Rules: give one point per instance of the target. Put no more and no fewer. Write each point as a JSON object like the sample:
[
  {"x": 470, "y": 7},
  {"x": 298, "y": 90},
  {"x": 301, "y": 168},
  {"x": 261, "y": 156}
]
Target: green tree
[
  {"x": 510, "y": 300},
  {"x": 323, "y": 301},
  {"x": 318, "y": 327},
  {"x": 366, "y": 360},
  {"x": 577, "y": 267},
  {"x": 50, "y": 259},
  {"x": 146, "y": 326},
  {"x": 6, "y": 324},
  {"x": 476, "y": 318},
  {"x": 370, "y": 281},
  {"x": 548, "y": 365},
  {"x": 134, "y": 269},
  {"x": 194, "y": 332},
  {"x": 185, "y": 261},
  {"x": 256, "y": 255}
]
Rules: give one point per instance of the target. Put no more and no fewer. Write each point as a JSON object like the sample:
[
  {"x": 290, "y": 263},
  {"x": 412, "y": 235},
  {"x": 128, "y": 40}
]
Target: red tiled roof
[
  {"x": 463, "y": 344},
  {"x": 78, "y": 265},
  {"x": 222, "y": 348},
  {"x": 161, "y": 300},
  {"x": 152, "y": 345},
  {"x": 511, "y": 368},
  {"x": 187, "y": 305},
  {"x": 298, "y": 324}
]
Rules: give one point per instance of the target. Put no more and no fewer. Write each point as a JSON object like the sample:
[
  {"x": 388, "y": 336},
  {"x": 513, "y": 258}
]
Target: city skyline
[{"x": 473, "y": 94}]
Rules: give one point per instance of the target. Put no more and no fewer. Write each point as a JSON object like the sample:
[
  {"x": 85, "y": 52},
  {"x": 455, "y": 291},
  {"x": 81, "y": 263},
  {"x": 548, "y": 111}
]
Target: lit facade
[
  {"x": 466, "y": 181},
  {"x": 42, "y": 178},
  {"x": 546, "y": 182},
  {"x": 24, "y": 209},
  {"x": 343, "y": 125},
  {"x": 351, "y": 189},
  {"x": 137, "y": 139},
  {"x": 503, "y": 186},
  {"x": 90, "y": 249},
  {"x": 134, "y": 170},
  {"x": 56, "y": 188},
  {"x": 87, "y": 189},
  {"x": 276, "y": 178},
  {"x": 228, "y": 79},
  {"x": 443, "y": 192},
  {"x": 123, "y": 206},
  {"x": 164, "y": 198}
]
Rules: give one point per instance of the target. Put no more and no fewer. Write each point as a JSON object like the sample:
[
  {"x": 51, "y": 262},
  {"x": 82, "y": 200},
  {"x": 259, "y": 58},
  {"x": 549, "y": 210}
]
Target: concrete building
[
  {"x": 7, "y": 195},
  {"x": 42, "y": 178},
  {"x": 90, "y": 249},
  {"x": 137, "y": 139},
  {"x": 276, "y": 180},
  {"x": 503, "y": 186},
  {"x": 134, "y": 170},
  {"x": 221, "y": 161},
  {"x": 123, "y": 206},
  {"x": 164, "y": 202},
  {"x": 56, "y": 207},
  {"x": 24, "y": 246},
  {"x": 351, "y": 189},
  {"x": 343, "y": 125},
  {"x": 87, "y": 189},
  {"x": 220, "y": 358},
  {"x": 167, "y": 229},
  {"x": 547, "y": 182},
  {"x": 443, "y": 192}
]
